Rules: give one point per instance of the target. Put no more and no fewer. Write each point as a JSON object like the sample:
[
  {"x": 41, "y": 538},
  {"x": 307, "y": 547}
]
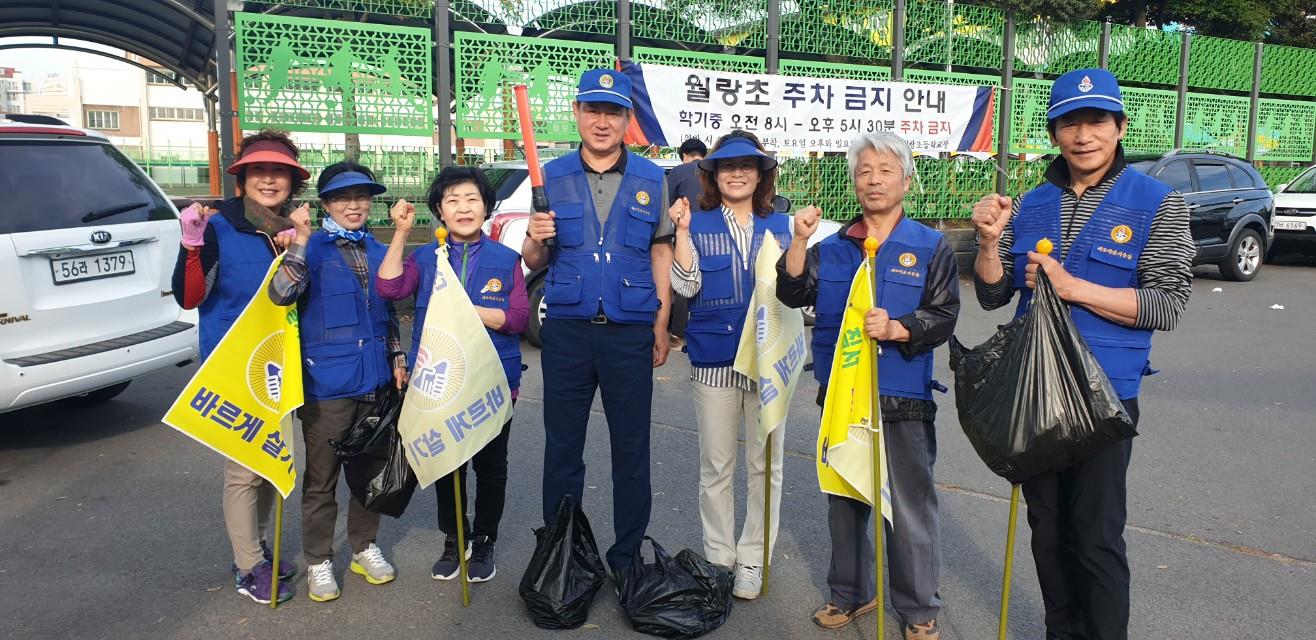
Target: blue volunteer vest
[
  {"x": 606, "y": 266},
  {"x": 244, "y": 259},
  {"x": 1106, "y": 252},
  {"x": 488, "y": 285},
  {"x": 902, "y": 273},
  {"x": 717, "y": 312},
  {"x": 344, "y": 329}
]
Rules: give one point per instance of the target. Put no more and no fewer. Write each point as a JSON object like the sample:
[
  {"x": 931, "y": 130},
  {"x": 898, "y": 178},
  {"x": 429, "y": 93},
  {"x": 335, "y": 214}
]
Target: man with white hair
[{"x": 918, "y": 303}]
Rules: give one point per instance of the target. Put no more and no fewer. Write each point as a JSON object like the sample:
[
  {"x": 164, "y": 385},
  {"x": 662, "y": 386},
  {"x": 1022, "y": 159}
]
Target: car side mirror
[{"x": 781, "y": 204}]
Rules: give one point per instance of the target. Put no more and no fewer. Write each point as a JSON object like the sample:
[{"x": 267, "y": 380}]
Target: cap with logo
[
  {"x": 605, "y": 85},
  {"x": 1084, "y": 89}
]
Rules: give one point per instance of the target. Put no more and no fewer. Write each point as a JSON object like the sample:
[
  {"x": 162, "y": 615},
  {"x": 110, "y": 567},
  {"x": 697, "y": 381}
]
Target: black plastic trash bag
[
  {"x": 365, "y": 434},
  {"x": 682, "y": 597},
  {"x": 565, "y": 571},
  {"x": 374, "y": 462},
  {"x": 1032, "y": 398}
]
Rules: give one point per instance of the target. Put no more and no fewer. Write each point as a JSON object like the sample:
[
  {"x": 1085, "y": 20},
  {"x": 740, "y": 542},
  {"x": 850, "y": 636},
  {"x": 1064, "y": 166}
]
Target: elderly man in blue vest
[
  {"x": 918, "y": 304},
  {"x": 608, "y": 292},
  {"x": 1124, "y": 252}
]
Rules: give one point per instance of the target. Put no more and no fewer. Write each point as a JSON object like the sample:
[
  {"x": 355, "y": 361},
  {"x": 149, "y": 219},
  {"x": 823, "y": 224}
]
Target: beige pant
[
  {"x": 720, "y": 410},
  {"x": 248, "y": 505}
]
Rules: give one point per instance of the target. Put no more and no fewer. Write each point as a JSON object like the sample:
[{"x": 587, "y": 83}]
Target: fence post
[
  {"x": 898, "y": 42},
  {"x": 774, "y": 36},
  {"x": 1181, "y": 108},
  {"x": 1103, "y": 50},
  {"x": 443, "y": 76},
  {"x": 1005, "y": 107},
  {"x": 1254, "y": 103},
  {"x": 224, "y": 108},
  {"x": 623, "y": 29}
]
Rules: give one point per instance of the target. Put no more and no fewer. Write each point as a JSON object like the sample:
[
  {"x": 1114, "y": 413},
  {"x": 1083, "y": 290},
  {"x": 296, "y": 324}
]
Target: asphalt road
[{"x": 110, "y": 523}]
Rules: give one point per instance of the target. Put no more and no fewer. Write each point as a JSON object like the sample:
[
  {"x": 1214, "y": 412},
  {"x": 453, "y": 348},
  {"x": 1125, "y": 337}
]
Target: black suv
[{"x": 1232, "y": 209}]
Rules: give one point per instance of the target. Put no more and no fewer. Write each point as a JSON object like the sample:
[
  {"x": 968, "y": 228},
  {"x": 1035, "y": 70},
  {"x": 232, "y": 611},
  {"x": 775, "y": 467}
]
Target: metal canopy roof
[{"x": 176, "y": 34}]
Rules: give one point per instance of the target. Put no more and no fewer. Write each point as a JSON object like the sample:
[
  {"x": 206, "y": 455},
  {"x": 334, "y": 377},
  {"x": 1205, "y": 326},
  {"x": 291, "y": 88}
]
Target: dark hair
[
  {"x": 693, "y": 145},
  {"x": 341, "y": 167},
  {"x": 453, "y": 176},
  {"x": 711, "y": 198},
  {"x": 281, "y": 137},
  {"x": 1119, "y": 117}
]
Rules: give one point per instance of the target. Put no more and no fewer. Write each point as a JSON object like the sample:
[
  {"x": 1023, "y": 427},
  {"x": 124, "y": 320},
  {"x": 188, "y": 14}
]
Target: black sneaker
[
  {"x": 481, "y": 567},
  {"x": 448, "y": 566}
]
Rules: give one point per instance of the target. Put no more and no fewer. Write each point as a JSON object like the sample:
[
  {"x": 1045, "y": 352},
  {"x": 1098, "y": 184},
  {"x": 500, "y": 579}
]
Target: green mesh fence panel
[
  {"x": 870, "y": 73},
  {"x": 547, "y": 16},
  {"x": 732, "y": 23},
  {"x": 1046, "y": 48},
  {"x": 1278, "y": 175},
  {"x": 957, "y": 34},
  {"x": 1218, "y": 123},
  {"x": 1028, "y": 116},
  {"x": 851, "y": 28},
  {"x": 1144, "y": 55},
  {"x": 1285, "y": 130},
  {"x": 397, "y": 8},
  {"x": 822, "y": 181},
  {"x": 1287, "y": 70},
  {"x": 405, "y": 170},
  {"x": 1218, "y": 63},
  {"x": 710, "y": 61},
  {"x": 488, "y": 66},
  {"x": 304, "y": 74},
  {"x": 1151, "y": 119}
]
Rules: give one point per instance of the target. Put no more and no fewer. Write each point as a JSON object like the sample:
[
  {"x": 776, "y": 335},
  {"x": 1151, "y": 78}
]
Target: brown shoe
[
  {"x": 829, "y": 616},
  {"x": 925, "y": 631}
]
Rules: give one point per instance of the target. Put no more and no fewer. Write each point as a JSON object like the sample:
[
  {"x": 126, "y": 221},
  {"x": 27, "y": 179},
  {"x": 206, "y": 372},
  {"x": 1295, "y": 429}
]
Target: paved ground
[{"x": 110, "y": 524}]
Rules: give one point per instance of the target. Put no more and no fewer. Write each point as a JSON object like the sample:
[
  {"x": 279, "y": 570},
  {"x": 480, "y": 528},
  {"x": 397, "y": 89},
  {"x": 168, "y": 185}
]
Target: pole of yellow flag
[
  {"x": 278, "y": 539},
  {"x": 441, "y": 234},
  {"x": 875, "y": 431},
  {"x": 767, "y": 512}
]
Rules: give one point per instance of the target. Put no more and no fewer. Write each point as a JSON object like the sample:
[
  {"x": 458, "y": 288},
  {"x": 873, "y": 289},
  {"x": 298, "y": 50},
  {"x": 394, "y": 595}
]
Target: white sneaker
[
  {"x": 320, "y": 579},
  {"x": 749, "y": 582},
  {"x": 371, "y": 564}
]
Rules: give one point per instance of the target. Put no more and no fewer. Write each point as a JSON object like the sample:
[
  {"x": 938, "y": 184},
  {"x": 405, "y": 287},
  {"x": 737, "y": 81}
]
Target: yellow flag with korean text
[
  {"x": 844, "y": 462},
  {"x": 772, "y": 347},
  {"x": 238, "y": 400},
  {"x": 458, "y": 398}
]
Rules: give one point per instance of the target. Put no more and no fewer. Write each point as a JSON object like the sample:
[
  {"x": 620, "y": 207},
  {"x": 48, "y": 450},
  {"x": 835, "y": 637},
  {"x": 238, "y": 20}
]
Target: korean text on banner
[
  {"x": 844, "y": 441},
  {"x": 799, "y": 115},
  {"x": 458, "y": 398},
  {"x": 237, "y": 401},
  {"x": 772, "y": 347}
]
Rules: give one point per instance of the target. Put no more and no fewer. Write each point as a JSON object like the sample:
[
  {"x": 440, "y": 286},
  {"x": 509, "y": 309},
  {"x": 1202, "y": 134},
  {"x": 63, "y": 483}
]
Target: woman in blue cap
[
  {"x": 350, "y": 350},
  {"x": 714, "y": 268}
]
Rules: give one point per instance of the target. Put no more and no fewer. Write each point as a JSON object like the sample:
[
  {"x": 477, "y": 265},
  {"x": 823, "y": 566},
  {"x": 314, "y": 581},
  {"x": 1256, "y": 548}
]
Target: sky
[{"x": 36, "y": 64}]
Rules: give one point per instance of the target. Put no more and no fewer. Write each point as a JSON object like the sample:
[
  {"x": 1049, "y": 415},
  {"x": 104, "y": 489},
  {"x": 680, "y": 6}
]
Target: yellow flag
[
  {"x": 845, "y": 463},
  {"x": 772, "y": 348},
  {"x": 458, "y": 398},
  {"x": 237, "y": 401}
]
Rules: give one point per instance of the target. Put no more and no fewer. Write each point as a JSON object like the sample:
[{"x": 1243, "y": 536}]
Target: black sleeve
[
  {"x": 801, "y": 291},
  {"x": 933, "y": 322}
]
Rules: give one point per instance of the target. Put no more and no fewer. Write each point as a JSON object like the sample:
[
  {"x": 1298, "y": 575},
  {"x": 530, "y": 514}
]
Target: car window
[
  {"x": 1143, "y": 166},
  {"x": 1213, "y": 177},
  {"x": 505, "y": 181},
  {"x": 1176, "y": 174},
  {"x": 1304, "y": 183},
  {"x": 1239, "y": 176},
  {"x": 55, "y": 185}
]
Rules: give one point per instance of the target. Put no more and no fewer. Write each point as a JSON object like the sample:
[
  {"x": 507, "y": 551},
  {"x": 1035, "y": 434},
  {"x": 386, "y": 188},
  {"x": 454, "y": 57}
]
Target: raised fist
[
  {"x": 990, "y": 215},
  {"x": 806, "y": 222}
]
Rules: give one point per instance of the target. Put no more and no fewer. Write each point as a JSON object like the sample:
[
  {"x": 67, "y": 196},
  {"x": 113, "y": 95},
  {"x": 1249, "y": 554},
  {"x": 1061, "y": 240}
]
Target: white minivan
[
  {"x": 87, "y": 249},
  {"x": 1295, "y": 214}
]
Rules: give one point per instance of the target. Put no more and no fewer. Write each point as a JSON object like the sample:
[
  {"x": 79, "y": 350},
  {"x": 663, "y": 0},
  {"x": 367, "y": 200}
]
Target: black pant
[
  {"x": 490, "y": 465},
  {"x": 1077, "y": 518}
]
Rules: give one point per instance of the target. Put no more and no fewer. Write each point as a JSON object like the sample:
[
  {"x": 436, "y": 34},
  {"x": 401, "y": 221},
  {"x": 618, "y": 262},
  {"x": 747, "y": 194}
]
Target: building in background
[{"x": 13, "y": 91}]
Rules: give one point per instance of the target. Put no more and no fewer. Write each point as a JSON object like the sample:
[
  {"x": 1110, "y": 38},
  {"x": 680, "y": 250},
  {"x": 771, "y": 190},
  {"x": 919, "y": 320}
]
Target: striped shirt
[
  {"x": 687, "y": 284},
  {"x": 1165, "y": 278}
]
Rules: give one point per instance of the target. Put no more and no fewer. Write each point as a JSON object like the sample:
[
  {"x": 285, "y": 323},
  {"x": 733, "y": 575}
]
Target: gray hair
[{"x": 882, "y": 142}]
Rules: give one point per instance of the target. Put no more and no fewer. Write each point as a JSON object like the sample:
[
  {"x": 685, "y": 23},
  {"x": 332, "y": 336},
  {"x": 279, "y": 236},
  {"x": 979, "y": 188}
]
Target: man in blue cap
[
  {"x": 608, "y": 292},
  {"x": 1122, "y": 261}
]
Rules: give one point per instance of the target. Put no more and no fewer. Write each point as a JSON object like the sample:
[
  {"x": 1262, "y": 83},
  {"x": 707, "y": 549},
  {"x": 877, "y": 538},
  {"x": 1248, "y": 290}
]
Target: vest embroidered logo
[
  {"x": 605, "y": 81},
  {"x": 494, "y": 285},
  {"x": 641, "y": 197},
  {"x": 1121, "y": 234},
  {"x": 1125, "y": 255},
  {"x": 440, "y": 371},
  {"x": 1085, "y": 85},
  {"x": 265, "y": 371},
  {"x": 908, "y": 260}
]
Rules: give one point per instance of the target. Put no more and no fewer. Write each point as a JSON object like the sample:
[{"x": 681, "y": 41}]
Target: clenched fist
[
  {"x": 193, "y": 220},
  {"x": 679, "y": 212},
  {"x": 541, "y": 227},
  {"x": 403, "y": 215},
  {"x": 806, "y": 222},
  {"x": 990, "y": 215},
  {"x": 301, "y": 220}
]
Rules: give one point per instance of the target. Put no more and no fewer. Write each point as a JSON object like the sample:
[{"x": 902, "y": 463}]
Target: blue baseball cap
[
  {"x": 737, "y": 148},
  {"x": 605, "y": 85},
  {"x": 1084, "y": 89},
  {"x": 352, "y": 179}
]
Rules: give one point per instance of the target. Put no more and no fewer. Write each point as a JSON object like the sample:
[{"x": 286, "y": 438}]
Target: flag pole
[
  {"x": 875, "y": 431},
  {"x": 1009, "y": 562},
  {"x": 767, "y": 511},
  {"x": 461, "y": 536},
  {"x": 278, "y": 539}
]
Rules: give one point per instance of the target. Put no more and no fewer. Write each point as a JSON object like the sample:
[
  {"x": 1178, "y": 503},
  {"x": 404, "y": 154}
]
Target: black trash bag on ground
[
  {"x": 374, "y": 463},
  {"x": 565, "y": 571},
  {"x": 1032, "y": 398},
  {"x": 682, "y": 597}
]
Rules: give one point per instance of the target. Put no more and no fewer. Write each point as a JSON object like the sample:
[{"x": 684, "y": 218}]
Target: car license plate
[
  {"x": 105, "y": 265},
  {"x": 1291, "y": 225}
]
